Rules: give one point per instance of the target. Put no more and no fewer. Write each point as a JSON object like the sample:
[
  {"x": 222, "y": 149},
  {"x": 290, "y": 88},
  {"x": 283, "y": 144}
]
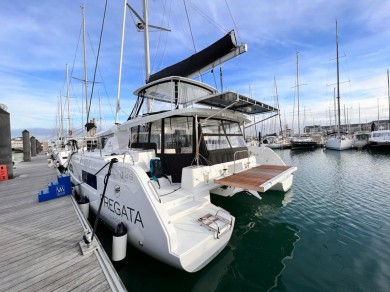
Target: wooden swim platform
[
  {"x": 260, "y": 178},
  {"x": 40, "y": 241}
]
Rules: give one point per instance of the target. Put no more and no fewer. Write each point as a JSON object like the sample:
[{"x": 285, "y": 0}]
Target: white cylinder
[
  {"x": 119, "y": 247},
  {"x": 119, "y": 243},
  {"x": 84, "y": 207}
]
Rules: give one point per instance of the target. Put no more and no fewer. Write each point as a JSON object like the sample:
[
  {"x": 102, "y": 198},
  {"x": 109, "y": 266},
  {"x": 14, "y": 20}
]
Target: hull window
[{"x": 89, "y": 179}]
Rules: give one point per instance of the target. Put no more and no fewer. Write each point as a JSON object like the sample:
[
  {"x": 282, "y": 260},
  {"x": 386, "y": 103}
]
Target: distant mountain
[{"x": 42, "y": 134}]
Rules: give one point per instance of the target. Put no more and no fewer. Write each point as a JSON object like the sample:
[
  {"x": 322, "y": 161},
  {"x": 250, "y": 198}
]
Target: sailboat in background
[
  {"x": 67, "y": 143},
  {"x": 338, "y": 141},
  {"x": 276, "y": 141},
  {"x": 301, "y": 142},
  {"x": 380, "y": 139}
]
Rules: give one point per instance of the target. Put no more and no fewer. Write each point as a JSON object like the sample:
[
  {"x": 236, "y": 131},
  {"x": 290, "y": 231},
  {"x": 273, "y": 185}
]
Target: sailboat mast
[
  {"x": 118, "y": 107},
  {"x": 277, "y": 103},
  {"x": 299, "y": 127},
  {"x": 146, "y": 45},
  {"x": 388, "y": 94},
  {"x": 334, "y": 106},
  {"x": 146, "y": 40},
  {"x": 67, "y": 98},
  {"x": 85, "y": 64},
  {"x": 338, "y": 82}
]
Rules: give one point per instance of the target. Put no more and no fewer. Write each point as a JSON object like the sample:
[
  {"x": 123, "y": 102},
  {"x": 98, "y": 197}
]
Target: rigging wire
[
  {"x": 189, "y": 25},
  {"x": 166, "y": 16},
  {"x": 101, "y": 76},
  {"x": 208, "y": 18},
  {"x": 97, "y": 60},
  {"x": 234, "y": 23}
]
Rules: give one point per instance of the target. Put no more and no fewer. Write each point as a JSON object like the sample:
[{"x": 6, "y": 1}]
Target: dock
[{"x": 39, "y": 242}]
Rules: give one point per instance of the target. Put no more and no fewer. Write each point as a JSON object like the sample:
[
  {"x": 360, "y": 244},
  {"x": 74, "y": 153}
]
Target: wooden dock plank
[
  {"x": 253, "y": 178},
  {"x": 40, "y": 241}
]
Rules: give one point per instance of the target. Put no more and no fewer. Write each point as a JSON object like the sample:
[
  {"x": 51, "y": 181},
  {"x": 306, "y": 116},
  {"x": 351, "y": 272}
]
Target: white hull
[
  {"x": 274, "y": 145},
  {"x": 163, "y": 222},
  {"x": 379, "y": 140},
  {"x": 339, "y": 144},
  {"x": 359, "y": 144},
  {"x": 168, "y": 230}
]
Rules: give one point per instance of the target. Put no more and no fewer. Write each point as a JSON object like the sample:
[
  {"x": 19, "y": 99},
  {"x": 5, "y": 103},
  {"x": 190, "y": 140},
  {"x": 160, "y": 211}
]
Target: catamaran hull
[{"x": 181, "y": 242}]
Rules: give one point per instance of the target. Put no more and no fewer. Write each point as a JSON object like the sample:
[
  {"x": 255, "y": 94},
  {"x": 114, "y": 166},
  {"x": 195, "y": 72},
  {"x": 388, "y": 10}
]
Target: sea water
[{"x": 330, "y": 232}]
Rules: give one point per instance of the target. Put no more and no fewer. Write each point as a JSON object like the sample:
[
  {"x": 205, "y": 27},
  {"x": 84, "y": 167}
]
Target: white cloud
[{"x": 37, "y": 41}]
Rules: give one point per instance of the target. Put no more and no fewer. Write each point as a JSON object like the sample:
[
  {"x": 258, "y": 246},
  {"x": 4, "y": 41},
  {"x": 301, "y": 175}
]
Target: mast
[
  {"x": 146, "y": 45},
  {"x": 146, "y": 40},
  {"x": 277, "y": 102},
  {"x": 299, "y": 127},
  {"x": 85, "y": 64},
  {"x": 338, "y": 82},
  {"x": 388, "y": 94},
  {"x": 118, "y": 106},
  {"x": 100, "y": 115},
  {"x": 67, "y": 98},
  {"x": 61, "y": 116},
  {"x": 334, "y": 105}
]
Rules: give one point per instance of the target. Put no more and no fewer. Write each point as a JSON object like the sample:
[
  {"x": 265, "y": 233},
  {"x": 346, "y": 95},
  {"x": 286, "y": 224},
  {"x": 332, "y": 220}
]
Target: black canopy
[{"x": 199, "y": 60}]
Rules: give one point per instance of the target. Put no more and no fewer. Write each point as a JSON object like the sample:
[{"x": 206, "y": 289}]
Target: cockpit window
[
  {"x": 178, "y": 135},
  {"x": 222, "y": 134}
]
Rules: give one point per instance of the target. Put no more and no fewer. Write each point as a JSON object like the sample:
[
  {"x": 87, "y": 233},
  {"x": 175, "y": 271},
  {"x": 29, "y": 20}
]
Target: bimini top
[
  {"x": 237, "y": 102},
  {"x": 184, "y": 92}
]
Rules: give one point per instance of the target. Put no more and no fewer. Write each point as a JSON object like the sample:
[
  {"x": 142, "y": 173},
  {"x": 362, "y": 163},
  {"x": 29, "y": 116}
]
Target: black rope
[{"x": 106, "y": 178}]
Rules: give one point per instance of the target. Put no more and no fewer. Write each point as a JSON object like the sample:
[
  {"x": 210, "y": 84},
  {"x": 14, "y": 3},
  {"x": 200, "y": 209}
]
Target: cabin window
[
  {"x": 143, "y": 133},
  {"x": 139, "y": 134},
  {"x": 234, "y": 134},
  {"x": 178, "y": 135},
  {"x": 220, "y": 134},
  {"x": 381, "y": 134},
  {"x": 155, "y": 135}
]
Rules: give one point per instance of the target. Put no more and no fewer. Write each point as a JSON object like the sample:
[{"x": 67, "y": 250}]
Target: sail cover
[{"x": 217, "y": 53}]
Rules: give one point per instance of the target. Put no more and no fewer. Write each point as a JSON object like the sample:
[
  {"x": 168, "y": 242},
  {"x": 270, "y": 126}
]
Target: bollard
[
  {"x": 33, "y": 146},
  {"x": 5, "y": 143},
  {"x": 26, "y": 146}
]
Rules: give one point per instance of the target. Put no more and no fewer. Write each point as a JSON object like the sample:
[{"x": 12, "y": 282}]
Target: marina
[
  {"x": 39, "y": 242},
  {"x": 330, "y": 232},
  {"x": 180, "y": 164}
]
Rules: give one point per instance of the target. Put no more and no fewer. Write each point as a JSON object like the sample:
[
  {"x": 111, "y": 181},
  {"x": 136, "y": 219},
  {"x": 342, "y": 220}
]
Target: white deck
[{"x": 40, "y": 241}]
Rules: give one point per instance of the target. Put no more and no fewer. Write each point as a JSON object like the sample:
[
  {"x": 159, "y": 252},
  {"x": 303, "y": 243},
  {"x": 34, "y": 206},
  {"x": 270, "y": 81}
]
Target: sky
[{"x": 38, "y": 39}]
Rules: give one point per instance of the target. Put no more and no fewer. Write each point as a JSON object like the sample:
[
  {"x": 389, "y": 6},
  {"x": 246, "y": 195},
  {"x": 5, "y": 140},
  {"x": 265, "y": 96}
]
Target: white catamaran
[{"x": 154, "y": 173}]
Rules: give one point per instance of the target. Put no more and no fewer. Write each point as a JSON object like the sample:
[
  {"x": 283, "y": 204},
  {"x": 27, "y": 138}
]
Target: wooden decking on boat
[
  {"x": 256, "y": 178},
  {"x": 40, "y": 241}
]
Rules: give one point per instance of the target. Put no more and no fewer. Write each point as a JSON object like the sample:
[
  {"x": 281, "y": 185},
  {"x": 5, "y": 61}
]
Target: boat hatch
[{"x": 260, "y": 178}]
